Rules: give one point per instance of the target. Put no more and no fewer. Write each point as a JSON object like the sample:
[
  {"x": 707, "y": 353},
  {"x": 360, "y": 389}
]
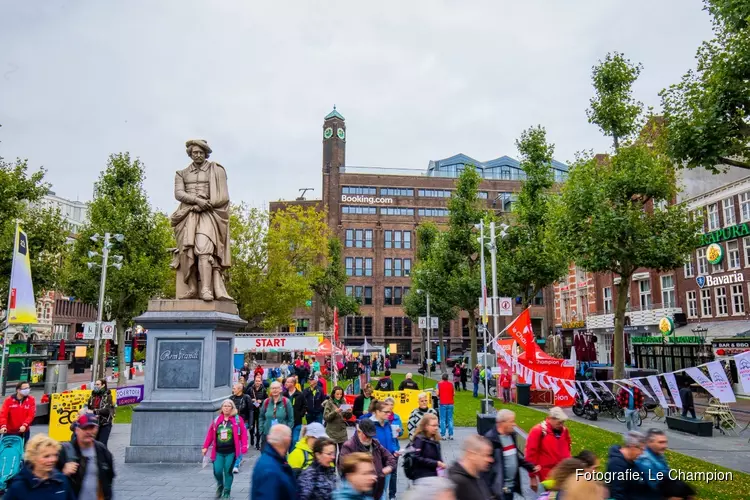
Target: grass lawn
[
  {"x": 587, "y": 437},
  {"x": 124, "y": 414}
]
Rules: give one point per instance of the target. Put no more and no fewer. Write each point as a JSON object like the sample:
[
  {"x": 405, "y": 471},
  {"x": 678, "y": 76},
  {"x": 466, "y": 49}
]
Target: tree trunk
[
  {"x": 122, "y": 379},
  {"x": 473, "y": 337},
  {"x": 619, "y": 336}
]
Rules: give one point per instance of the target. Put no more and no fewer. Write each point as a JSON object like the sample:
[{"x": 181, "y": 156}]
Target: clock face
[
  {"x": 328, "y": 133},
  {"x": 340, "y": 133}
]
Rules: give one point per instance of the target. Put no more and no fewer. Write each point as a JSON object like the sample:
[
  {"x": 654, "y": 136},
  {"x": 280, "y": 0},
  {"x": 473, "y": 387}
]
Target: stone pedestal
[{"x": 188, "y": 375}]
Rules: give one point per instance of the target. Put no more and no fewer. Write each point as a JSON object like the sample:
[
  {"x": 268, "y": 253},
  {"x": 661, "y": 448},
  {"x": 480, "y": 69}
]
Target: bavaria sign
[{"x": 727, "y": 279}]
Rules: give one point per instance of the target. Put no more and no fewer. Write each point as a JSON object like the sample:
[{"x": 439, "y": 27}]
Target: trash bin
[
  {"x": 523, "y": 394},
  {"x": 485, "y": 423}
]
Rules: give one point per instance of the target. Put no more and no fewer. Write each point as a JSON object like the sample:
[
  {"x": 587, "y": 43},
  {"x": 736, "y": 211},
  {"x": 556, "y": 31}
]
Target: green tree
[
  {"x": 614, "y": 216},
  {"x": 330, "y": 286},
  {"x": 529, "y": 258},
  {"x": 45, "y": 229},
  {"x": 120, "y": 206},
  {"x": 707, "y": 112}
]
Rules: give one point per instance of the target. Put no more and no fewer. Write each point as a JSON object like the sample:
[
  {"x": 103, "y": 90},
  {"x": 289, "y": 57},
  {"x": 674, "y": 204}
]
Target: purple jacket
[{"x": 239, "y": 432}]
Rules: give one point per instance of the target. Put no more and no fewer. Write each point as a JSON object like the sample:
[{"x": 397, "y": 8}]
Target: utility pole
[
  {"x": 429, "y": 346},
  {"x": 487, "y": 370}
]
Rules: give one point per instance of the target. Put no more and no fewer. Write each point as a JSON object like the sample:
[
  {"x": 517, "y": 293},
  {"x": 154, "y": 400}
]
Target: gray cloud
[{"x": 415, "y": 80}]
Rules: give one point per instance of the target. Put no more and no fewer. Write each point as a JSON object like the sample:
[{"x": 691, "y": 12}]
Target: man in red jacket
[
  {"x": 18, "y": 412},
  {"x": 548, "y": 443}
]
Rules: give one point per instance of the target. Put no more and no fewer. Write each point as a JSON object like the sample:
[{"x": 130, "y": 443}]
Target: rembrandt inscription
[{"x": 179, "y": 364}]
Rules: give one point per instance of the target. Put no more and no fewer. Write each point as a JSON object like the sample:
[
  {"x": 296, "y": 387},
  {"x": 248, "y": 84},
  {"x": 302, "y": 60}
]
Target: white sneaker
[{"x": 236, "y": 470}]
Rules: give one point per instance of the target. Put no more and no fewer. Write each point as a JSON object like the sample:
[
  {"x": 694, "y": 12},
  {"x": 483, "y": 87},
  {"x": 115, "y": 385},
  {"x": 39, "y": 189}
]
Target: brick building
[{"x": 375, "y": 212}]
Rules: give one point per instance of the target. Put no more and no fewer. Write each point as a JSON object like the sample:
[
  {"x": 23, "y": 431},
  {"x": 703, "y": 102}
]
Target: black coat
[
  {"x": 623, "y": 489},
  {"x": 408, "y": 384},
  {"x": 468, "y": 487},
  {"x": 244, "y": 406},
  {"x": 464, "y": 375},
  {"x": 71, "y": 452},
  {"x": 298, "y": 404},
  {"x": 358, "y": 408},
  {"x": 313, "y": 402},
  {"x": 495, "y": 474},
  {"x": 426, "y": 458},
  {"x": 259, "y": 394}
]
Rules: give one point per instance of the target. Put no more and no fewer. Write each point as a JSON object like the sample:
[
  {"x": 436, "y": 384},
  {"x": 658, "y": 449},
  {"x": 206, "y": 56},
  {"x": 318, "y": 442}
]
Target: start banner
[
  {"x": 63, "y": 411},
  {"x": 276, "y": 343}
]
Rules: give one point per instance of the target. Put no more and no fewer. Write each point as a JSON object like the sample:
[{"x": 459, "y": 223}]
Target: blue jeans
[
  {"x": 223, "y": 470},
  {"x": 476, "y": 388},
  {"x": 314, "y": 417},
  {"x": 446, "y": 419},
  {"x": 631, "y": 419},
  {"x": 295, "y": 435},
  {"x": 385, "y": 490},
  {"x": 392, "y": 484}
]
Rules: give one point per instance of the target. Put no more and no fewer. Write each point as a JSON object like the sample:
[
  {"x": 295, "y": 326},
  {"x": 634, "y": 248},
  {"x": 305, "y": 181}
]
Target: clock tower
[{"x": 334, "y": 157}]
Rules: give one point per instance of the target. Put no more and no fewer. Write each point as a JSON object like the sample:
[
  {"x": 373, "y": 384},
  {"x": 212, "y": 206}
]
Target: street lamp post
[{"x": 102, "y": 286}]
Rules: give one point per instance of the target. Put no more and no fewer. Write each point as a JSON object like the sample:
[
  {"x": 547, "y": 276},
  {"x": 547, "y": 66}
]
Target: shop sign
[
  {"x": 738, "y": 231},
  {"x": 730, "y": 347},
  {"x": 727, "y": 279},
  {"x": 370, "y": 200},
  {"x": 666, "y": 326},
  {"x": 714, "y": 253},
  {"x": 667, "y": 340}
]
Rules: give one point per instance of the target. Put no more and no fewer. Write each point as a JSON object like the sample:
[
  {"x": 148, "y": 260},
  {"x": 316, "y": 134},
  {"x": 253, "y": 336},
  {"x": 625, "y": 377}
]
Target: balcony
[{"x": 638, "y": 316}]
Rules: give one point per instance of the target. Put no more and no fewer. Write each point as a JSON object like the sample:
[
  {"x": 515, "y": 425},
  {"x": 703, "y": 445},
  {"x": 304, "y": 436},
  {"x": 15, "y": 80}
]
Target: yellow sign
[
  {"x": 22, "y": 306},
  {"x": 406, "y": 402},
  {"x": 37, "y": 371},
  {"x": 63, "y": 411},
  {"x": 394, "y": 348}
]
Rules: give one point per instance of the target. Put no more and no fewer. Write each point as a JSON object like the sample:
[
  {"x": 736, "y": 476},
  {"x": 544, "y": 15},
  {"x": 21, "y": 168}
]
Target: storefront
[
  {"x": 668, "y": 354},
  {"x": 726, "y": 349}
]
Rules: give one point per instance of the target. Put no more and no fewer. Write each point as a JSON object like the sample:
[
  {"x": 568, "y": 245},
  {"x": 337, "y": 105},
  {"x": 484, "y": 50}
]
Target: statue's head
[{"x": 198, "y": 150}]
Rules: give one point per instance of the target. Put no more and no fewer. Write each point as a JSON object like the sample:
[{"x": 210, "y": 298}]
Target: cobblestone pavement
[{"x": 192, "y": 482}]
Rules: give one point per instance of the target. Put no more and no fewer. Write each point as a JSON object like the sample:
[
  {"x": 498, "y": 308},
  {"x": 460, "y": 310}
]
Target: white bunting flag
[
  {"x": 583, "y": 393},
  {"x": 605, "y": 387},
  {"x": 702, "y": 380},
  {"x": 593, "y": 391},
  {"x": 554, "y": 385},
  {"x": 617, "y": 383},
  {"x": 642, "y": 387},
  {"x": 722, "y": 386},
  {"x": 569, "y": 387},
  {"x": 743, "y": 370},
  {"x": 673, "y": 389},
  {"x": 656, "y": 387}
]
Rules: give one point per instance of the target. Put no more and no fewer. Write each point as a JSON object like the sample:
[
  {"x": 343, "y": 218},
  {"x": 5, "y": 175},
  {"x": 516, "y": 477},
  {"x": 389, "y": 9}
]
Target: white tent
[{"x": 368, "y": 348}]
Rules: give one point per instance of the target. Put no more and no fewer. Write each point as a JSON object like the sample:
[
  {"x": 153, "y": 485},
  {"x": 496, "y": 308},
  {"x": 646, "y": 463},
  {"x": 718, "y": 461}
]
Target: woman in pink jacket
[{"x": 228, "y": 435}]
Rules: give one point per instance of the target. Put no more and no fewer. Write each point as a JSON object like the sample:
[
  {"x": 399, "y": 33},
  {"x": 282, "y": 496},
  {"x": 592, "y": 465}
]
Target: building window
[
  {"x": 407, "y": 267},
  {"x": 689, "y": 268},
  {"x": 733, "y": 254},
  {"x": 358, "y": 190},
  {"x": 358, "y": 326},
  {"x": 388, "y": 267},
  {"x": 368, "y": 295},
  {"x": 349, "y": 240},
  {"x": 358, "y": 238},
  {"x": 667, "y": 291},
  {"x": 580, "y": 275},
  {"x": 368, "y": 267},
  {"x": 388, "y": 327},
  {"x": 396, "y": 192},
  {"x": 397, "y": 239},
  {"x": 396, "y": 327},
  {"x": 745, "y": 206},
  {"x": 388, "y": 239},
  {"x": 368, "y": 238},
  {"x": 349, "y": 265},
  {"x": 721, "y": 301},
  {"x": 702, "y": 261},
  {"x": 358, "y": 294},
  {"x": 434, "y": 193},
  {"x": 738, "y": 300},
  {"x": 608, "y": 300},
  {"x": 713, "y": 217},
  {"x": 644, "y": 287},
  {"x": 717, "y": 268},
  {"x": 397, "y": 267},
  {"x": 407, "y": 239},
  {"x": 396, "y": 211},
  {"x": 483, "y": 195},
  {"x": 729, "y": 218},
  {"x": 746, "y": 242},
  {"x": 397, "y": 291},
  {"x": 349, "y": 290},
  {"x": 698, "y": 216},
  {"x": 706, "y": 311},
  {"x": 358, "y": 210},
  {"x": 388, "y": 296},
  {"x": 433, "y": 212},
  {"x": 692, "y": 304}
]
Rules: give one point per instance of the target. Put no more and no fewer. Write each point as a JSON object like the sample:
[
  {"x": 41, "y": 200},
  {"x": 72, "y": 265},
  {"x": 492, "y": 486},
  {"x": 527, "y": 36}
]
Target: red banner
[
  {"x": 520, "y": 327},
  {"x": 335, "y": 325}
]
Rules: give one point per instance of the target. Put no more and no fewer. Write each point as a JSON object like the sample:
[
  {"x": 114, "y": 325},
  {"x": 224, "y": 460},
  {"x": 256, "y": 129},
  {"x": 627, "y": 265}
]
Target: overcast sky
[{"x": 415, "y": 80}]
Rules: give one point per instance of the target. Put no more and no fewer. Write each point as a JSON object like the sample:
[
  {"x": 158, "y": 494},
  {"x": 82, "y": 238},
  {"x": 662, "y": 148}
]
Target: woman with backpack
[
  {"x": 302, "y": 456},
  {"x": 101, "y": 404},
  {"x": 227, "y": 438},
  {"x": 318, "y": 481},
  {"x": 427, "y": 457}
]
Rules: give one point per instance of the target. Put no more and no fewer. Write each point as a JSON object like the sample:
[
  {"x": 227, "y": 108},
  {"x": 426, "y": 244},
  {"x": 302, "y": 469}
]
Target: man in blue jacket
[
  {"x": 384, "y": 434},
  {"x": 273, "y": 478},
  {"x": 626, "y": 484},
  {"x": 653, "y": 466}
]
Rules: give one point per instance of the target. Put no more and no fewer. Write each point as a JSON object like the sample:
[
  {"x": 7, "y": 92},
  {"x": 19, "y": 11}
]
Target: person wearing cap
[
  {"x": 548, "y": 443},
  {"x": 313, "y": 396},
  {"x": 87, "y": 463},
  {"x": 364, "y": 440},
  {"x": 302, "y": 456}
]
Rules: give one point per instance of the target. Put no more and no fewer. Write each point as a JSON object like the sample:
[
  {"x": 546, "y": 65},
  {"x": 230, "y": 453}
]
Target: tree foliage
[
  {"x": 707, "y": 112},
  {"x": 120, "y": 206},
  {"x": 612, "y": 215},
  {"x": 21, "y": 194},
  {"x": 276, "y": 260},
  {"x": 330, "y": 286},
  {"x": 529, "y": 257}
]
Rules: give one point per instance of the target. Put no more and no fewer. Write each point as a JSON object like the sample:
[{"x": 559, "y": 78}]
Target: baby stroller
[{"x": 11, "y": 459}]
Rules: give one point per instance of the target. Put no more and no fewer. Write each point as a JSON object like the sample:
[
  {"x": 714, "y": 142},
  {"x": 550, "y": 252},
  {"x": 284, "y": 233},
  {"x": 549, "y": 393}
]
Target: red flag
[
  {"x": 520, "y": 327},
  {"x": 335, "y": 325}
]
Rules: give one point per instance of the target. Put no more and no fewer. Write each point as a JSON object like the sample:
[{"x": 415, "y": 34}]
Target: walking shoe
[
  {"x": 442, "y": 437},
  {"x": 450, "y": 438},
  {"x": 236, "y": 470},
  {"x": 219, "y": 491},
  {"x": 227, "y": 494}
]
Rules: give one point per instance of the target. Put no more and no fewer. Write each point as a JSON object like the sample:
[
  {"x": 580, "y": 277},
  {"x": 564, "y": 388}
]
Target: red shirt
[
  {"x": 505, "y": 381},
  {"x": 445, "y": 392},
  {"x": 15, "y": 413},
  {"x": 546, "y": 450}
]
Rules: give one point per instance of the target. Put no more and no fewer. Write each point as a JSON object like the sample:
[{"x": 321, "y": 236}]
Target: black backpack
[{"x": 409, "y": 462}]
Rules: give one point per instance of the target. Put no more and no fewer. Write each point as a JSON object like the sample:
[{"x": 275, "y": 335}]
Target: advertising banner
[
  {"x": 63, "y": 411},
  {"x": 276, "y": 343},
  {"x": 702, "y": 380},
  {"x": 22, "y": 306},
  {"x": 406, "y": 402},
  {"x": 130, "y": 395},
  {"x": 722, "y": 386},
  {"x": 743, "y": 370}
]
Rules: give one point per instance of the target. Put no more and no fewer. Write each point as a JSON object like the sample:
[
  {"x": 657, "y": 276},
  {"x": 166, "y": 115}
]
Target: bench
[{"x": 697, "y": 427}]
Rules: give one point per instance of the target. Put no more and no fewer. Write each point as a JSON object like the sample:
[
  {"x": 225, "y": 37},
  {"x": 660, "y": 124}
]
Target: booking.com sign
[{"x": 358, "y": 198}]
